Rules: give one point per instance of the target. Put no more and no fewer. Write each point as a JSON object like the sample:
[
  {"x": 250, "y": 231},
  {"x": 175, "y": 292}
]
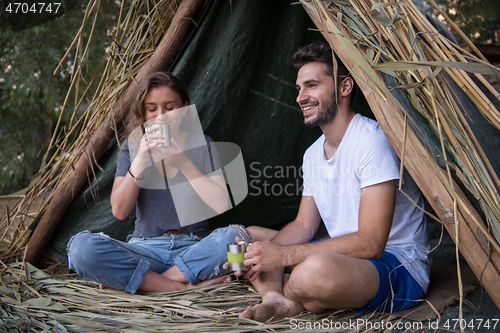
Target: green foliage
[
  {"x": 478, "y": 19},
  {"x": 31, "y": 97}
]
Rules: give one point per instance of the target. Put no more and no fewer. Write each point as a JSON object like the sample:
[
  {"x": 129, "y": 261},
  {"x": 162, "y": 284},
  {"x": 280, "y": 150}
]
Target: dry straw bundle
[
  {"x": 140, "y": 27},
  {"x": 395, "y": 38},
  {"x": 34, "y": 301}
]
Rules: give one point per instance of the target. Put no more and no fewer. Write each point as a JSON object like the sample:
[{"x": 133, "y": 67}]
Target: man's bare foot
[{"x": 273, "y": 308}]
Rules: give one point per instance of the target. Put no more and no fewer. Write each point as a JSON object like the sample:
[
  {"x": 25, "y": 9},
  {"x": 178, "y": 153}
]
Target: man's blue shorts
[{"x": 397, "y": 289}]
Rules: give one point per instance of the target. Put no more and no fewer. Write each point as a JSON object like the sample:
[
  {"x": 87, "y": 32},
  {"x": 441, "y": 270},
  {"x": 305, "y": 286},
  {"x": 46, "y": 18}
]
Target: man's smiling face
[{"x": 317, "y": 94}]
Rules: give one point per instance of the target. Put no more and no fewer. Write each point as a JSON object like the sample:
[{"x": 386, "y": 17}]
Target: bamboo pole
[
  {"x": 67, "y": 190},
  {"x": 390, "y": 115}
]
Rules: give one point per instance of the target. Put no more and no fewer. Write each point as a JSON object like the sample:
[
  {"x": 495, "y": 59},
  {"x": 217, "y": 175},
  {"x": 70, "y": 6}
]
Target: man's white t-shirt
[{"x": 364, "y": 158}]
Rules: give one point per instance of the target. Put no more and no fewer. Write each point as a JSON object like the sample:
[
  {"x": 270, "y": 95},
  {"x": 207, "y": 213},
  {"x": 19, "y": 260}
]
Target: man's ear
[{"x": 346, "y": 86}]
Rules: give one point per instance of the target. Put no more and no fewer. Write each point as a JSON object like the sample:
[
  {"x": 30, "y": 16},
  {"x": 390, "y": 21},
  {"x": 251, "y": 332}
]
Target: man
[{"x": 376, "y": 256}]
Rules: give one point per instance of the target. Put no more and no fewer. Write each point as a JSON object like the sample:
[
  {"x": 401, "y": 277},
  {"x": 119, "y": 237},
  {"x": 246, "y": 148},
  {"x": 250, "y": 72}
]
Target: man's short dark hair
[{"x": 319, "y": 52}]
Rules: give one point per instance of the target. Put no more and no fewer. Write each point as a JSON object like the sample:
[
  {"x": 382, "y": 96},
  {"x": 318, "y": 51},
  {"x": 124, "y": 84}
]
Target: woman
[{"x": 162, "y": 254}]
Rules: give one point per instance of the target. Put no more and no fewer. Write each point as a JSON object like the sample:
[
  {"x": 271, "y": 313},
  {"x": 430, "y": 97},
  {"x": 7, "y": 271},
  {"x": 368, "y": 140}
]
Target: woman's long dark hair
[{"x": 137, "y": 110}]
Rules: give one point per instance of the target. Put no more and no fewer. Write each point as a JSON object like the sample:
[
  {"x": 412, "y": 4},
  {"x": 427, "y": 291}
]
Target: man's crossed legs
[
  {"x": 327, "y": 280},
  {"x": 322, "y": 281}
]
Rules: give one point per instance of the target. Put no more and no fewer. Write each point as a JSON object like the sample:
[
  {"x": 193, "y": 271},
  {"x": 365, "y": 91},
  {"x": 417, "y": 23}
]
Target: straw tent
[{"x": 428, "y": 94}]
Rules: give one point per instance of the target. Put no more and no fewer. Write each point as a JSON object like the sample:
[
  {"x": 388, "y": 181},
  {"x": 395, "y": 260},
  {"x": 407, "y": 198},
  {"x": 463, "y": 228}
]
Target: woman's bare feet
[{"x": 217, "y": 280}]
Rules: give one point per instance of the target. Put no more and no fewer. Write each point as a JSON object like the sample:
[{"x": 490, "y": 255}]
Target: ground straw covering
[
  {"x": 394, "y": 38},
  {"x": 33, "y": 301}
]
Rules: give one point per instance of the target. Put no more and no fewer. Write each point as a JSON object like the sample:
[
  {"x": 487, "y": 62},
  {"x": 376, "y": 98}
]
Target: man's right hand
[
  {"x": 267, "y": 256},
  {"x": 260, "y": 256},
  {"x": 250, "y": 274}
]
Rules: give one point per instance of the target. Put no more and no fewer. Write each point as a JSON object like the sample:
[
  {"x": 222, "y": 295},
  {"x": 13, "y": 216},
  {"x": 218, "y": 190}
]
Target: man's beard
[{"x": 325, "y": 114}]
